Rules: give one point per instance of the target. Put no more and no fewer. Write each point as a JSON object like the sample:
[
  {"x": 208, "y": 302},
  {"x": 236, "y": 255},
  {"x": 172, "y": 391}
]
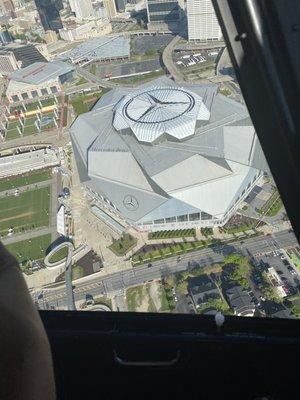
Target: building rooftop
[
  {"x": 206, "y": 170},
  {"x": 25, "y": 54},
  {"x": 105, "y": 47},
  {"x": 160, "y": 111},
  {"x": 240, "y": 301},
  {"x": 202, "y": 288},
  {"x": 41, "y": 72}
]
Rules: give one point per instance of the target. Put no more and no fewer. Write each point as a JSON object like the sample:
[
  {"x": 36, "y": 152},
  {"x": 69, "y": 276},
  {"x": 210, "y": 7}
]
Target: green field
[
  {"x": 27, "y": 211},
  {"x": 31, "y": 249},
  {"x": 30, "y": 120},
  {"x": 82, "y": 103},
  {"x": 28, "y": 179},
  {"x": 12, "y": 134},
  {"x": 30, "y": 130},
  {"x": 59, "y": 255}
]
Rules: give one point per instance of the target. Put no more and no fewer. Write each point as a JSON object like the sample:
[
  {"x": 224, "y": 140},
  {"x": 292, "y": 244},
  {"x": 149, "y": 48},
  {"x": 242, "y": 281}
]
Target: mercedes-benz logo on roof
[{"x": 158, "y": 105}]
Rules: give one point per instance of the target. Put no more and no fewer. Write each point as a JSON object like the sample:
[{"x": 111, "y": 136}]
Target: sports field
[
  {"x": 28, "y": 179},
  {"x": 27, "y": 211},
  {"x": 31, "y": 249}
]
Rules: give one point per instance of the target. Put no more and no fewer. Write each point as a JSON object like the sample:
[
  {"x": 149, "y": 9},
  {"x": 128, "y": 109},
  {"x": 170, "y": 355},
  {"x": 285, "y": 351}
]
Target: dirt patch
[
  {"x": 142, "y": 300},
  {"x": 154, "y": 292}
]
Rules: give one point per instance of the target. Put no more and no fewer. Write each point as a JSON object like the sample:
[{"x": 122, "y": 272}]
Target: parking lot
[
  {"x": 140, "y": 44},
  {"x": 185, "y": 59},
  {"x": 130, "y": 68}
]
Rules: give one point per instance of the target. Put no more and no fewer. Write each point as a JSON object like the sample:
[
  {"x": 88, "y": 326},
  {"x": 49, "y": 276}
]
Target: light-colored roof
[
  {"x": 40, "y": 72},
  {"x": 101, "y": 48},
  {"x": 207, "y": 171},
  {"x": 157, "y": 111},
  {"x": 215, "y": 196},
  {"x": 189, "y": 172}
]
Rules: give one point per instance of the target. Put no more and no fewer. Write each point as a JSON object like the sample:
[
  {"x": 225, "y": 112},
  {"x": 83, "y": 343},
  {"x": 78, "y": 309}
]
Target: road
[
  {"x": 95, "y": 79},
  {"x": 168, "y": 61},
  {"x": 115, "y": 284}
]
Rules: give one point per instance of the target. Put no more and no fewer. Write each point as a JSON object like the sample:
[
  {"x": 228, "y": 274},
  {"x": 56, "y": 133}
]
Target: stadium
[{"x": 167, "y": 157}]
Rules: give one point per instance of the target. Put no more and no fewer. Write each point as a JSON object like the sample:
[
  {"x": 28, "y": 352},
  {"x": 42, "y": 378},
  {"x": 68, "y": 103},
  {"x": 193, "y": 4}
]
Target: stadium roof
[
  {"x": 40, "y": 72},
  {"x": 160, "y": 110},
  {"x": 206, "y": 172},
  {"x": 106, "y": 47}
]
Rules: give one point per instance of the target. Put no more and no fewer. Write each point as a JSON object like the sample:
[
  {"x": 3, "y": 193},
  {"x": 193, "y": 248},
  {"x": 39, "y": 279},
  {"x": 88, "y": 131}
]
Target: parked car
[{"x": 89, "y": 300}]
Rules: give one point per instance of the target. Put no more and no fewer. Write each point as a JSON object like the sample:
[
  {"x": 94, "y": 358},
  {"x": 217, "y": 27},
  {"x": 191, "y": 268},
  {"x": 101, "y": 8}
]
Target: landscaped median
[
  {"x": 179, "y": 233},
  {"x": 160, "y": 251},
  {"x": 157, "y": 252}
]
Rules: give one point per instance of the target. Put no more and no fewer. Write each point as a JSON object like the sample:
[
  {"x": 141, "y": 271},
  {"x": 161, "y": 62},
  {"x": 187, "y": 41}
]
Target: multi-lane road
[{"x": 117, "y": 283}]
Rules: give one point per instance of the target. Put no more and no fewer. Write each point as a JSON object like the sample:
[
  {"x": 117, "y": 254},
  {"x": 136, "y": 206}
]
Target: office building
[
  {"x": 163, "y": 15},
  {"x": 25, "y": 54},
  {"x": 81, "y": 8},
  {"x": 8, "y": 62},
  {"x": 5, "y": 37},
  {"x": 49, "y": 12},
  {"x": 163, "y": 156},
  {"x": 120, "y": 5},
  {"x": 110, "y": 6},
  {"x": 202, "y": 21}
]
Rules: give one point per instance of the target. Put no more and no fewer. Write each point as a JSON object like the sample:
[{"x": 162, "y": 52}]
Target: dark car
[{"x": 149, "y": 265}]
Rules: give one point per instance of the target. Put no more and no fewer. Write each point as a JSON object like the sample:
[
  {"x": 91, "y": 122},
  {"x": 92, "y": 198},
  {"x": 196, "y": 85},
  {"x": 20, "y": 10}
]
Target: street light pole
[{"x": 68, "y": 277}]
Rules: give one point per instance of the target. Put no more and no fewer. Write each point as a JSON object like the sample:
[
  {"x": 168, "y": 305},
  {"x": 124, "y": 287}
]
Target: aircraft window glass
[{"x": 123, "y": 156}]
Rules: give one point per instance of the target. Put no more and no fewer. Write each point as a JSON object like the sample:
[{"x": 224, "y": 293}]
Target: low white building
[
  {"x": 37, "y": 80},
  {"x": 21, "y": 163}
]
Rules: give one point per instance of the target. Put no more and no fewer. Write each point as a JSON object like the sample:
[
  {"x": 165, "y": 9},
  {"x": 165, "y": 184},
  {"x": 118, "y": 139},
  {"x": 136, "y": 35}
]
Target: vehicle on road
[{"x": 89, "y": 300}]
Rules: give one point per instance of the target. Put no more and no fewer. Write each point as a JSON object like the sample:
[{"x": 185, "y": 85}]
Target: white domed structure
[
  {"x": 160, "y": 111},
  {"x": 168, "y": 157}
]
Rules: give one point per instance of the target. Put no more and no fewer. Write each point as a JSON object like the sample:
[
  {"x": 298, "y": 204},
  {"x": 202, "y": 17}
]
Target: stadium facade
[{"x": 168, "y": 157}]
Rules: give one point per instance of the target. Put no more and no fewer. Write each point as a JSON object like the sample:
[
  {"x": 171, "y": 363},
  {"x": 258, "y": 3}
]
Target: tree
[
  {"x": 151, "y": 52},
  {"x": 182, "y": 287}
]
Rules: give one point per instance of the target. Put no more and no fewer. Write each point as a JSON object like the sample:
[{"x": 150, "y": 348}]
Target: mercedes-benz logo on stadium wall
[{"x": 131, "y": 203}]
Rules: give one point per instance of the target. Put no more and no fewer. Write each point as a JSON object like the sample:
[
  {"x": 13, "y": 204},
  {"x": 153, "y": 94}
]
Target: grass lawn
[
  {"x": 59, "y": 255},
  {"x": 30, "y": 130},
  {"x": 141, "y": 298},
  {"x": 35, "y": 177},
  {"x": 121, "y": 246},
  {"x": 30, "y": 121},
  {"x": 12, "y": 134},
  {"x": 47, "y": 102},
  {"x": 32, "y": 106},
  {"x": 77, "y": 272},
  {"x": 294, "y": 259},
  {"x": 103, "y": 300},
  {"x": 275, "y": 208},
  {"x": 83, "y": 103},
  {"x": 81, "y": 81},
  {"x": 31, "y": 249},
  {"x": 272, "y": 205},
  {"x": 28, "y": 210},
  {"x": 13, "y": 124},
  {"x": 165, "y": 306}
]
